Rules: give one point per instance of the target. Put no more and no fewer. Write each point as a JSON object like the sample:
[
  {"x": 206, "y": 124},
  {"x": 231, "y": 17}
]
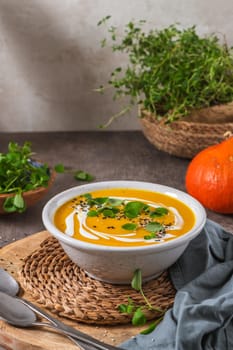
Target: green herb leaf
[
  {"x": 160, "y": 211},
  {"x": 18, "y": 201},
  {"x": 83, "y": 176},
  {"x": 146, "y": 208},
  {"x": 8, "y": 205},
  {"x": 108, "y": 213},
  {"x": 126, "y": 308},
  {"x": 154, "y": 227},
  {"x": 152, "y": 326},
  {"x": 92, "y": 213},
  {"x": 130, "y": 308},
  {"x": 59, "y": 168},
  {"x": 151, "y": 236},
  {"x": 133, "y": 209},
  {"x": 115, "y": 202},
  {"x": 136, "y": 282},
  {"x": 87, "y": 196},
  {"x": 123, "y": 308},
  {"x": 129, "y": 226},
  {"x": 139, "y": 319},
  {"x": 100, "y": 200},
  {"x": 149, "y": 329},
  {"x": 103, "y": 20}
]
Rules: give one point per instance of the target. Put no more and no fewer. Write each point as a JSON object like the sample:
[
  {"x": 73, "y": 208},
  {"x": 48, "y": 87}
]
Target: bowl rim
[{"x": 69, "y": 193}]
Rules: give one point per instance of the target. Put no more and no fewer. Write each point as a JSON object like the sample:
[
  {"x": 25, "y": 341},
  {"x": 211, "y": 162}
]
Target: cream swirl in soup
[{"x": 124, "y": 217}]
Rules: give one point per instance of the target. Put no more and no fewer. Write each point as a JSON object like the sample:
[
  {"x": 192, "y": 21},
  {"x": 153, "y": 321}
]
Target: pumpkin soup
[{"x": 124, "y": 217}]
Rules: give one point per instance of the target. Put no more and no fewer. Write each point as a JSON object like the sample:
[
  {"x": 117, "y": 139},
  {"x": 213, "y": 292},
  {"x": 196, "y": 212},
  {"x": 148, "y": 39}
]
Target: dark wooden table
[{"x": 106, "y": 155}]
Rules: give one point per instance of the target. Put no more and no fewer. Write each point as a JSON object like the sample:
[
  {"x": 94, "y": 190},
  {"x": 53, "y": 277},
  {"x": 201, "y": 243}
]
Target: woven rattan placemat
[{"x": 59, "y": 285}]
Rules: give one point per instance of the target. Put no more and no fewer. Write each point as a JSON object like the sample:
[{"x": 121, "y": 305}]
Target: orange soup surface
[{"x": 124, "y": 217}]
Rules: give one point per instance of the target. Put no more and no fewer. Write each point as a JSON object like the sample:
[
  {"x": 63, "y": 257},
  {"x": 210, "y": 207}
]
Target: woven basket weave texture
[
  {"x": 54, "y": 281},
  {"x": 187, "y": 137}
]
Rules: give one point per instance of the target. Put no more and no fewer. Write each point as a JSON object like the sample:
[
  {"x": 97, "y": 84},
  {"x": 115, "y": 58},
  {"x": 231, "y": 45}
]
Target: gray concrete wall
[{"x": 51, "y": 58}]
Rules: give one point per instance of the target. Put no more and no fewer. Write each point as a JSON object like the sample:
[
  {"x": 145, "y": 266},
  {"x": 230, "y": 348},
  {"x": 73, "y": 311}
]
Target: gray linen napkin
[{"x": 202, "y": 314}]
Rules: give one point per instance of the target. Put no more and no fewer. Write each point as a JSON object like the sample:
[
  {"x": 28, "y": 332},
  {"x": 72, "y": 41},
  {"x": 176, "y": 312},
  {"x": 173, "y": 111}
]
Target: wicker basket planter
[{"x": 186, "y": 137}]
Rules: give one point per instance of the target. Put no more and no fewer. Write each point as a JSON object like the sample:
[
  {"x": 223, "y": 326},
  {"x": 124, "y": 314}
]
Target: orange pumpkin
[{"x": 209, "y": 177}]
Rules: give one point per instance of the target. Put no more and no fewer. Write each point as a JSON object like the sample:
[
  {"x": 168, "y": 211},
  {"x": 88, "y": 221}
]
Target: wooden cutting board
[{"x": 12, "y": 338}]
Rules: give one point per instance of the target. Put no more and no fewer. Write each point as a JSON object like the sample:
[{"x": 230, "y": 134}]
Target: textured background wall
[{"x": 51, "y": 59}]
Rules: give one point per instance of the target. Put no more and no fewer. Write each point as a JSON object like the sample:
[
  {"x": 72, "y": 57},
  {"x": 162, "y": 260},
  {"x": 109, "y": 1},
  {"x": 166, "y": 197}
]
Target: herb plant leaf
[
  {"x": 20, "y": 173},
  {"x": 129, "y": 226},
  {"x": 149, "y": 329},
  {"x": 138, "y": 315},
  {"x": 59, "y": 168},
  {"x": 136, "y": 282},
  {"x": 108, "y": 213},
  {"x": 154, "y": 227},
  {"x": 139, "y": 318},
  {"x": 83, "y": 176},
  {"x": 133, "y": 209},
  {"x": 9, "y": 206},
  {"x": 160, "y": 211},
  {"x": 115, "y": 201},
  {"x": 18, "y": 201},
  {"x": 92, "y": 213},
  {"x": 123, "y": 308}
]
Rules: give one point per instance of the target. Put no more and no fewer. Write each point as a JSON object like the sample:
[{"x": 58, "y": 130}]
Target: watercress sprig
[
  {"x": 137, "y": 312},
  {"x": 20, "y": 173},
  {"x": 79, "y": 175}
]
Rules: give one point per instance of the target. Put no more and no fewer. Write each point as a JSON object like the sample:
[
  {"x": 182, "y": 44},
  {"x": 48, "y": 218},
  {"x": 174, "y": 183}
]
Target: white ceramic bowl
[{"x": 117, "y": 264}]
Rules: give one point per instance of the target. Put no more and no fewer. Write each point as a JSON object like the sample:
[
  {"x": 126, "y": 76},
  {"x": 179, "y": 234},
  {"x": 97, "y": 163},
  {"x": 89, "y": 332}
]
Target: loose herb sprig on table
[
  {"x": 20, "y": 173},
  {"x": 138, "y": 312},
  {"x": 79, "y": 175},
  {"x": 170, "y": 71}
]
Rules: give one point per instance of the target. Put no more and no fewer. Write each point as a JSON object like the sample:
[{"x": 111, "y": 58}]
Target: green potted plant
[
  {"x": 23, "y": 180},
  {"x": 182, "y": 83}
]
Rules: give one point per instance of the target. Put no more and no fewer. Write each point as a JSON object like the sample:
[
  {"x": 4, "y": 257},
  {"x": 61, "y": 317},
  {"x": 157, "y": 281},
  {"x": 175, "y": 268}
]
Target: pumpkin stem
[{"x": 227, "y": 134}]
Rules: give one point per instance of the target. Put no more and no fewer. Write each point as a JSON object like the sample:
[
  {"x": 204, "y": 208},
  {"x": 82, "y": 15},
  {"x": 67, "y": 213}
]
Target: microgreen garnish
[
  {"x": 20, "y": 173},
  {"x": 115, "y": 202},
  {"x": 100, "y": 200},
  {"x": 133, "y": 209},
  {"x": 129, "y": 226},
  {"x": 137, "y": 312},
  {"x": 150, "y": 236},
  {"x": 87, "y": 196},
  {"x": 160, "y": 211},
  {"x": 110, "y": 207},
  {"x": 154, "y": 227},
  {"x": 108, "y": 213},
  {"x": 92, "y": 213}
]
